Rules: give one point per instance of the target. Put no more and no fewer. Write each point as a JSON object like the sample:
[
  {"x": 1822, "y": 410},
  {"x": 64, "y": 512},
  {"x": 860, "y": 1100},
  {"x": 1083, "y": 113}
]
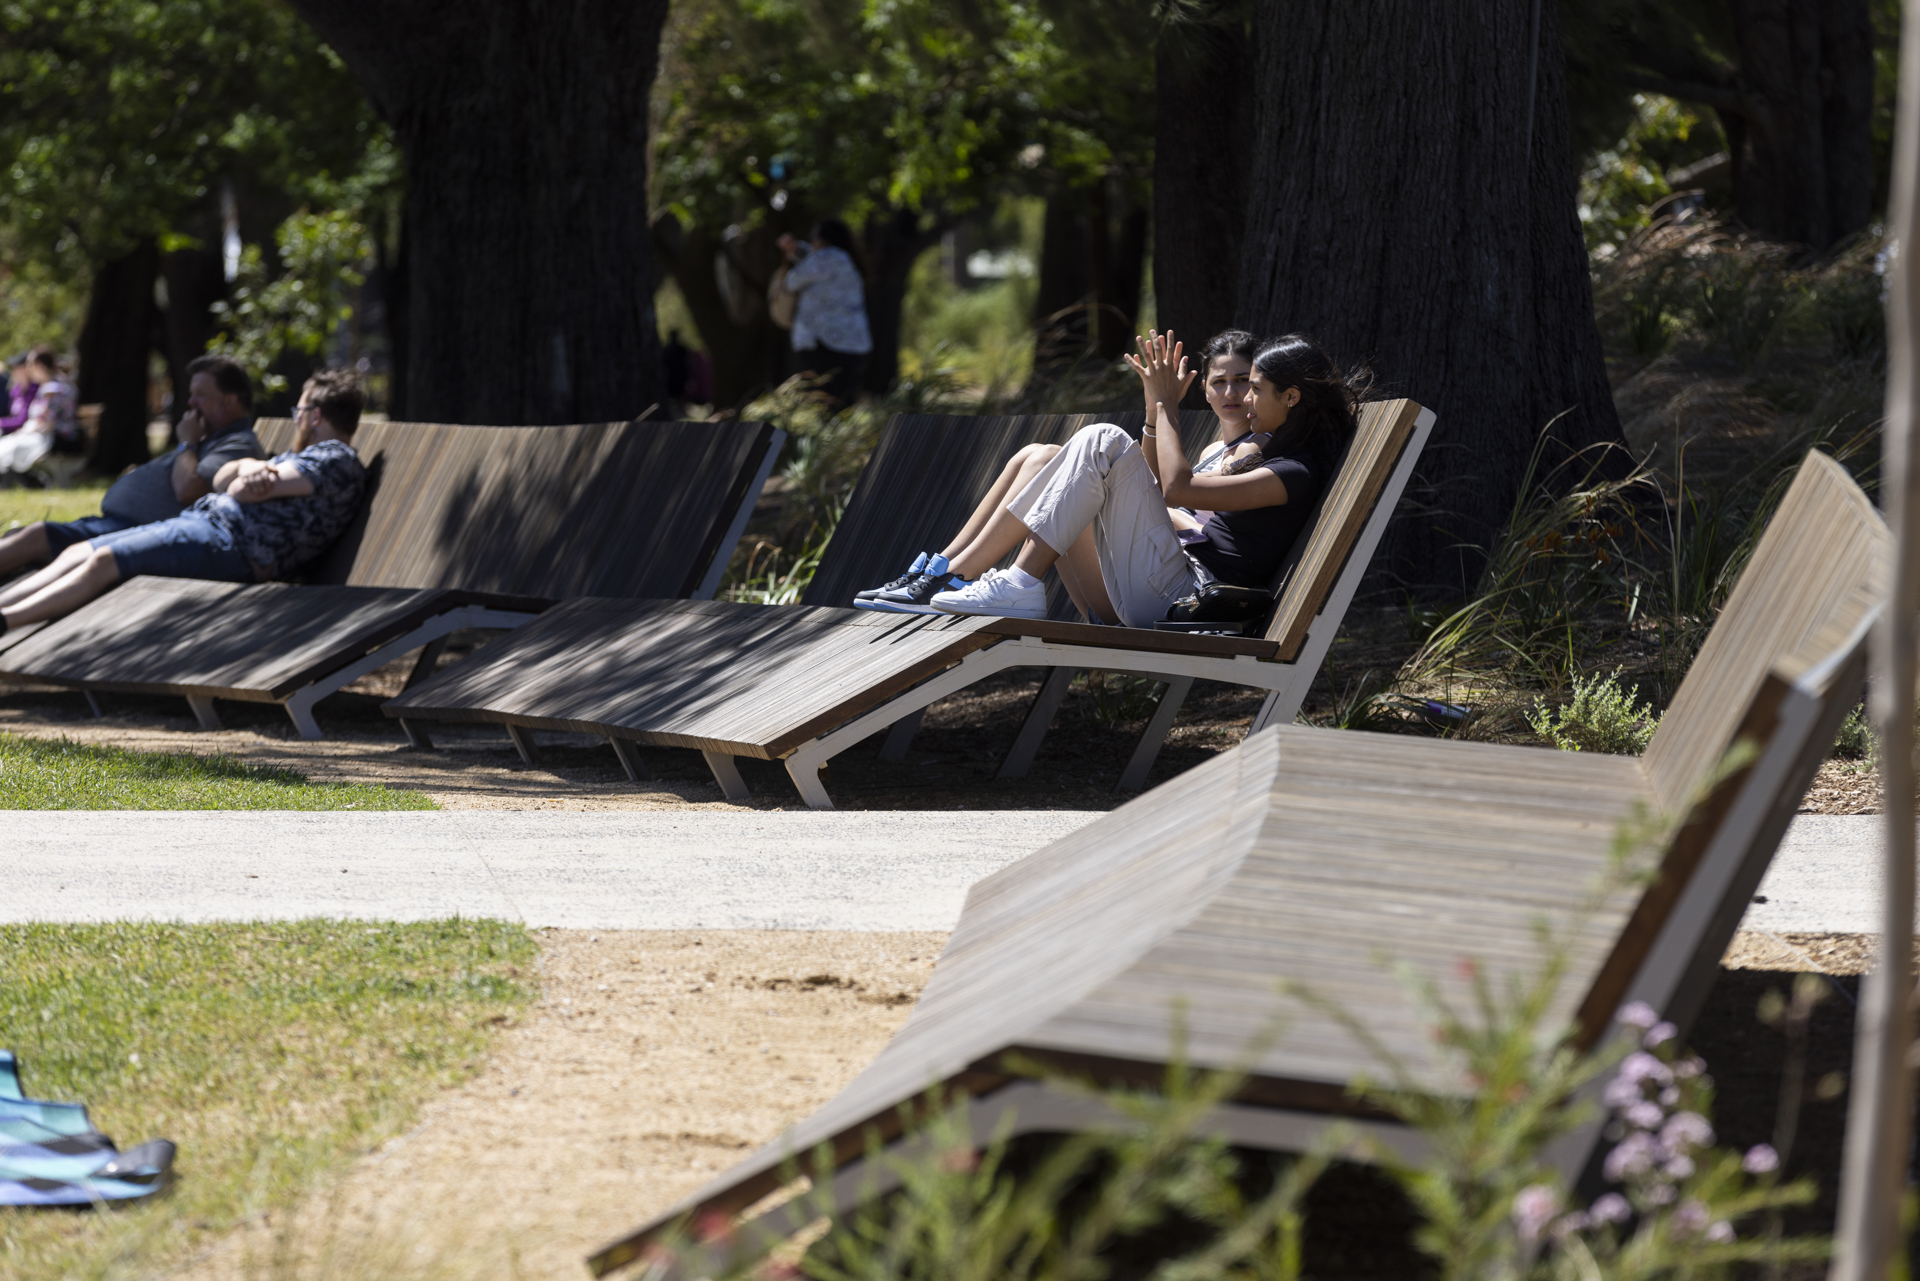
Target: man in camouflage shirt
[{"x": 264, "y": 519}]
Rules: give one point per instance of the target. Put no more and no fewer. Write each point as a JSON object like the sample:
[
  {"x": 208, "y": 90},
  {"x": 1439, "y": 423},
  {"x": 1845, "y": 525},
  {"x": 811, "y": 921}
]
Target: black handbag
[{"x": 1216, "y": 606}]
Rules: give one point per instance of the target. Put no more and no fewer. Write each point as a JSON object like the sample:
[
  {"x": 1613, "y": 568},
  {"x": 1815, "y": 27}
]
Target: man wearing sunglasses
[
  {"x": 216, "y": 430},
  {"x": 262, "y": 520}
]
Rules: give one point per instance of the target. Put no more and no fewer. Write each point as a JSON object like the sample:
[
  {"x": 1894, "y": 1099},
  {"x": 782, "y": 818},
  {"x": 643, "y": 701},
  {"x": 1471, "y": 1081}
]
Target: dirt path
[{"x": 654, "y": 1062}]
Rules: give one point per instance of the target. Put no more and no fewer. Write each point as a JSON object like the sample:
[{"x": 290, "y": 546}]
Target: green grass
[
  {"x": 24, "y": 506},
  {"x": 56, "y": 774},
  {"x": 271, "y": 1053}
]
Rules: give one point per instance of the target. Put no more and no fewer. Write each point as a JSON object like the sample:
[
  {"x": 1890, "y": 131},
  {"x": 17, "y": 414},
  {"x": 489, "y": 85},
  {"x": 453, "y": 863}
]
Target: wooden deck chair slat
[
  {"x": 1385, "y": 428},
  {"x": 1305, "y": 853},
  {"x": 1823, "y": 542}
]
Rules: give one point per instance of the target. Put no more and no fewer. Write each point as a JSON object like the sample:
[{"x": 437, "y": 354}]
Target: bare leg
[
  {"x": 1020, "y": 469},
  {"x": 1079, "y": 572},
  {"x": 63, "y": 564},
  {"x": 80, "y": 584},
  {"x": 25, "y": 546}
]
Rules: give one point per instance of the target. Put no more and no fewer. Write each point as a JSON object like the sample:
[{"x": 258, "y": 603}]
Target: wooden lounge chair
[
  {"x": 804, "y": 684},
  {"x": 463, "y": 527},
  {"x": 1303, "y": 853}
]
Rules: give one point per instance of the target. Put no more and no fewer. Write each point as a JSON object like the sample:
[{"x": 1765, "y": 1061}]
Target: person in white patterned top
[{"x": 831, "y": 338}]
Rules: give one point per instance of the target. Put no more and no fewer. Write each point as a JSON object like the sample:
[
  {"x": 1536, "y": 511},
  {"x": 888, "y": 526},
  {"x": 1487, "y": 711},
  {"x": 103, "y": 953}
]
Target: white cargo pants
[{"x": 1100, "y": 479}]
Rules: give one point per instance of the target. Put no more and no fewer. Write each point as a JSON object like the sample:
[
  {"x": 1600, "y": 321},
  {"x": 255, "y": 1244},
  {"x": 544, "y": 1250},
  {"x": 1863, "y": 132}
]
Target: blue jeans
[
  {"x": 191, "y": 545},
  {"x": 64, "y": 534}
]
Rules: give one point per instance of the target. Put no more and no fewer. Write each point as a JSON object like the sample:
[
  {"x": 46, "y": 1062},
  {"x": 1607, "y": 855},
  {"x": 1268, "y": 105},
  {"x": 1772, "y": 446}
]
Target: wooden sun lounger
[
  {"x": 463, "y": 527},
  {"x": 804, "y": 684},
  {"x": 1316, "y": 855}
]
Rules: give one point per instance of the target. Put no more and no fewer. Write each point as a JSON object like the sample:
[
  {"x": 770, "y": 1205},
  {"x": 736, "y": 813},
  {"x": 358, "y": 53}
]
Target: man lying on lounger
[
  {"x": 216, "y": 430},
  {"x": 263, "y": 519}
]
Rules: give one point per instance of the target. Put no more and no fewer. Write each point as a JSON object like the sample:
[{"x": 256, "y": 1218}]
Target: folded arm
[{"x": 249, "y": 480}]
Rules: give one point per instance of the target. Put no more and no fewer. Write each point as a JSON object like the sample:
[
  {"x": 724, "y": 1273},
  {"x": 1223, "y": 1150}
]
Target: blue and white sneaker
[
  {"x": 993, "y": 594},
  {"x": 913, "y": 572},
  {"x": 913, "y": 598}
]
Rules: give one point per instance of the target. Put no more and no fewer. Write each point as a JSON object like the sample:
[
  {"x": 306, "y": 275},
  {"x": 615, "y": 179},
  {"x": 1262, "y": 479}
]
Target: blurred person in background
[
  {"x": 831, "y": 339},
  {"x": 217, "y": 429},
  {"x": 20, "y": 391},
  {"x": 53, "y": 417}
]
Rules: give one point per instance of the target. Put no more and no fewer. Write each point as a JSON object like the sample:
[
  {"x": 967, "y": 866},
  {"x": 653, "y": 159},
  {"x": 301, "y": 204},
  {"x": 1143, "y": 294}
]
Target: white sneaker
[{"x": 993, "y": 593}]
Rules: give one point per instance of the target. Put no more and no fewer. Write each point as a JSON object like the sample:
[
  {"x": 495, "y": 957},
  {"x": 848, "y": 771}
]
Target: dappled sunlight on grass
[{"x": 23, "y": 506}]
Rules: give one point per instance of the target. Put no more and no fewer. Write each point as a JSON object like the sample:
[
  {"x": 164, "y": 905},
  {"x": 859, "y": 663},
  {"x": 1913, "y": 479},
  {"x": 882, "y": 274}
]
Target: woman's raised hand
[{"x": 1162, "y": 367}]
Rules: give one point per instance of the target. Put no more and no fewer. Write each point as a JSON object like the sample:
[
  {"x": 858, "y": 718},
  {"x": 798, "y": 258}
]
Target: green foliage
[
  {"x": 299, "y": 309},
  {"x": 1856, "y": 740},
  {"x": 1601, "y": 717},
  {"x": 38, "y": 303},
  {"x": 57, "y": 774},
  {"x": 122, "y": 115},
  {"x": 1621, "y": 185},
  {"x": 271, "y": 1053}
]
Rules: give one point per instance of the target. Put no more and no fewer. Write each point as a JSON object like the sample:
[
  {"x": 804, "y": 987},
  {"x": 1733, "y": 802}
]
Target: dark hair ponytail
[{"x": 1330, "y": 399}]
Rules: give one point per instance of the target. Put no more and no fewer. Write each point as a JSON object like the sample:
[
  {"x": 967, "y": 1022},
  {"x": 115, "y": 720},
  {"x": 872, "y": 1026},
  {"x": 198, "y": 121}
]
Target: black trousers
[{"x": 843, "y": 371}]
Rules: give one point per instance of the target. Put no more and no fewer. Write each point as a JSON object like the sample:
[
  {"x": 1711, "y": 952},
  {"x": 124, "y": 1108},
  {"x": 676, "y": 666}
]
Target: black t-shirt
[
  {"x": 1246, "y": 548},
  {"x": 145, "y": 494}
]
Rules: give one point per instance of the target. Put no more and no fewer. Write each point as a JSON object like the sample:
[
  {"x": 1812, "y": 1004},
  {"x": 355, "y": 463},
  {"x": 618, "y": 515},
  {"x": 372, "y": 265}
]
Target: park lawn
[
  {"x": 56, "y": 774},
  {"x": 271, "y": 1053},
  {"x": 24, "y": 506}
]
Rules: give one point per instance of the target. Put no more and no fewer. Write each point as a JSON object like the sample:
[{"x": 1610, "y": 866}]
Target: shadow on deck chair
[
  {"x": 462, "y": 527},
  {"x": 802, "y": 684},
  {"x": 1304, "y": 853}
]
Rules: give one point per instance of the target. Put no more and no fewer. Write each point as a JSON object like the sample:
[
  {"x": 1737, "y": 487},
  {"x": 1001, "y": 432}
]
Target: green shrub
[
  {"x": 1856, "y": 740},
  {"x": 1602, "y": 717}
]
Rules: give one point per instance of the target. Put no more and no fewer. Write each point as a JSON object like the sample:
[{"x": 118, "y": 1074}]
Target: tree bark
[
  {"x": 1412, "y": 205},
  {"x": 195, "y": 281},
  {"x": 530, "y": 290},
  {"x": 749, "y": 352},
  {"x": 115, "y": 340},
  {"x": 894, "y": 241},
  {"x": 1203, "y": 116}
]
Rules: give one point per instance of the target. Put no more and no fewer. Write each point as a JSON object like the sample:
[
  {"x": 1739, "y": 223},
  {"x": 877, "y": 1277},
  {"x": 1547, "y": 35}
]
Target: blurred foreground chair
[
  {"x": 1304, "y": 854},
  {"x": 463, "y": 527},
  {"x": 804, "y": 684}
]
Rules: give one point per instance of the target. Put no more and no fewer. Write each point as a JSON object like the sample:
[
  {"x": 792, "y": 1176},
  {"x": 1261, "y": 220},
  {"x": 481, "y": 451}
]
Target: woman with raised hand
[
  {"x": 1228, "y": 363},
  {"x": 1105, "y": 484}
]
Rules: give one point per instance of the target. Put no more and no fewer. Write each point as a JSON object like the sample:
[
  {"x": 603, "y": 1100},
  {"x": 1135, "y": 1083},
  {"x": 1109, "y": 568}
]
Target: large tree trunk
[
  {"x": 114, "y": 342},
  {"x": 749, "y": 352},
  {"x": 195, "y": 281},
  {"x": 894, "y": 241},
  {"x": 1093, "y": 246},
  {"x": 1203, "y": 119},
  {"x": 530, "y": 291},
  {"x": 1402, "y": 211}
]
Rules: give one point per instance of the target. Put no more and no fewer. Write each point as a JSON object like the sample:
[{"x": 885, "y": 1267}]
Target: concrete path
[
  {"x": 610, "y": 870},
  {"x": 626, "y": 870}
]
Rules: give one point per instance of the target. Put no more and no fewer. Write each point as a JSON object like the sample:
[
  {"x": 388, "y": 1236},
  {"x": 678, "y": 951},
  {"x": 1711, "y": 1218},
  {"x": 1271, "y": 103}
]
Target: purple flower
[
  {"x": 1611, "y": 1208},
  {"x": 1621, "y": 1093},
  {"x": 1533, "y": 1208},
  {"x": 1659, "y": 1034},
  {"x": 1680, "y": 1167},
  {"x": 1637, "y": 1014},
  {"x": 1720, "y": 1233},
  {"x": 1670, "y": 1097},
  {"x": 1645, "y": 1115},
  {"x": 1688, "y": 1068},
  {"x": 1689, "y": 1218},
  {"x": 1761, "y": 1159},
  {"x": 1686, "y": 1130},
  {"x": 1640, "y": 1067},
  {"x": 1635, "y": 1156},
  {"x": 1661, "y": 1194}
]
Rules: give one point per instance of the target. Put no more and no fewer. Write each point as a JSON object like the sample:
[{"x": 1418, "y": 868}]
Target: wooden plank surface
[
  {"x": 513, "y": 516},
  {"x": 229, "y": 640},
  {"x": 750, "y": 680},
  {"x": 1328, "y": 858},
  {"x": 1824, "y": 545},
  {"x": 1385, "y": 428},
  {"x": 928, "y": 474}
]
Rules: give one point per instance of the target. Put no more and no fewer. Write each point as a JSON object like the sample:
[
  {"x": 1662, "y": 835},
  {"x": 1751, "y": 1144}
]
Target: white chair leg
[
  {"x": 203, "y": 710},
  {"x": 629, "y": 753},
  {"x": 895, "y": 748},
  {"x": 522, "y": 742},
  {"x": 1135, "y": 776},
  {"x": 1026, "y": 744},
  {"x": 727, "y": 774}
]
